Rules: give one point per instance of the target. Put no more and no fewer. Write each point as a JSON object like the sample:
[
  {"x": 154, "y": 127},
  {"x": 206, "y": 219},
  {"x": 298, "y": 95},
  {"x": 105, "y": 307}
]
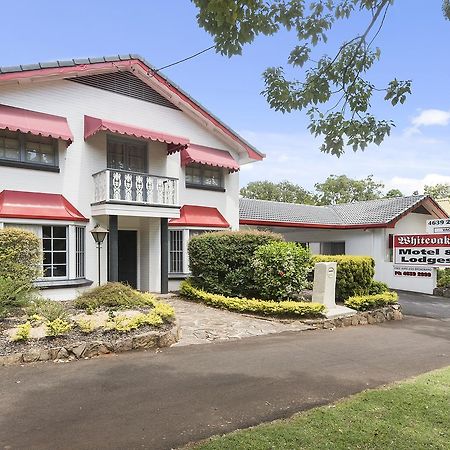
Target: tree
[
  {"x": 342, "y": 189},
  {"x": 335, "y": 91},
  {"x": 438, "y": 191},
  {"x": 284, "y": 191},
  {"x": 393, "y": 193}
]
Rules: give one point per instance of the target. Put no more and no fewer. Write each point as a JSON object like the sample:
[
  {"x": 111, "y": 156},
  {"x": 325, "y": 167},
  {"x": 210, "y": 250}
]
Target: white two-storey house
[{"x": 112, "y": 142}]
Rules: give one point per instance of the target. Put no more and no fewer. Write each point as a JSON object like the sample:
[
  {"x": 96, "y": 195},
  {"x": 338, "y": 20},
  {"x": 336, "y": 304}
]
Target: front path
[
  {"x": 201, "y": 324},
  {"x": 162, "y": 400}
]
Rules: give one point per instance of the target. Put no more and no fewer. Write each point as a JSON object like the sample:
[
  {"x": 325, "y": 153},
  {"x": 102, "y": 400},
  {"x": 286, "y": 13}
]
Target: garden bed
[{"x": 111, "y": 318}]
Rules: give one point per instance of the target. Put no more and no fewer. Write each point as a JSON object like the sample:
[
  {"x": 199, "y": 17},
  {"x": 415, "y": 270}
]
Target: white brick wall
[{"x": 82, "y": 159}]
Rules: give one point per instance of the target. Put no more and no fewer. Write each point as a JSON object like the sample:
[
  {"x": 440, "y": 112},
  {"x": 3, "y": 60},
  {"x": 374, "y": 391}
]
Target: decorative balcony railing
[{"x": 113, "y": 185}]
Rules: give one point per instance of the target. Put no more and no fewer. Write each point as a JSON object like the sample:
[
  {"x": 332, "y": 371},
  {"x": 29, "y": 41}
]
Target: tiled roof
[
  {"x": 115, "y": 58},
  {"x": 374, "y": 212}
]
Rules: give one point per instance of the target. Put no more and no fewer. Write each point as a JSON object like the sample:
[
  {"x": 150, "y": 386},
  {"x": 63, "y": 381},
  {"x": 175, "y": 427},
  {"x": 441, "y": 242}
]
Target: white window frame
[
  {"x": 35, "y": 225},
  {"x": 186, "y": 232}
]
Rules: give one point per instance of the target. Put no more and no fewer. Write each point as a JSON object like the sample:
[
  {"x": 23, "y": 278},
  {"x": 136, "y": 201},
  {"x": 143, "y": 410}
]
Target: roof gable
[
  {"x": 146, "y": 73},
  {"x": 125, "y": 83}
]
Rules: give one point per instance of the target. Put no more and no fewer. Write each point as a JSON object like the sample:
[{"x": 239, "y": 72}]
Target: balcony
[{"x": 120, "y": 186}]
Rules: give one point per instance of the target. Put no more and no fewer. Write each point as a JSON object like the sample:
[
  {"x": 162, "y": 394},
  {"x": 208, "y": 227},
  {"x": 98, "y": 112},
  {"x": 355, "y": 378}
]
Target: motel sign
[{"x": 430, "y": 250}]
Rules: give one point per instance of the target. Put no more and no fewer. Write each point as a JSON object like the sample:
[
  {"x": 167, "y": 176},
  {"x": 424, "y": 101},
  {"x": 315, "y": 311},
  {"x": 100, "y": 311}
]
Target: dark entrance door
[{"x": 128, "y": 257}]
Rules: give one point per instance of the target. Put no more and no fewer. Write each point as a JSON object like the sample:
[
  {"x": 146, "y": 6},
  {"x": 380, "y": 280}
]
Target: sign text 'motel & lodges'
[{"x": 422, "y": 249}]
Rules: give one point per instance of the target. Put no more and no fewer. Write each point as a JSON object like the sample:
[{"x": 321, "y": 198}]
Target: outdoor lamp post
[{"x": 99, "y": 233}]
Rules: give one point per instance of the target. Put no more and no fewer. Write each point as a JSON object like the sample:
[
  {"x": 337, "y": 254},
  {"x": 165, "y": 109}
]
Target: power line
[{"x": 185, "y": 59}]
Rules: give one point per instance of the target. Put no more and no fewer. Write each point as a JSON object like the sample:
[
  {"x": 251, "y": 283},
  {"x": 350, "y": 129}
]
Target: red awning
[
  {"x": 37, "y": 205},
  {"x": 37, "y": 123},
  {"x": 199, "y": 216},
  {"x": 93, "y": 126},
  {"x": 209, "y": 156}
]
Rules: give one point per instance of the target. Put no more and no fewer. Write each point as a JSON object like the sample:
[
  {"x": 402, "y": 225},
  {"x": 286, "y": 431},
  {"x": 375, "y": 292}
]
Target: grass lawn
[{"x": 414, "y": 414}]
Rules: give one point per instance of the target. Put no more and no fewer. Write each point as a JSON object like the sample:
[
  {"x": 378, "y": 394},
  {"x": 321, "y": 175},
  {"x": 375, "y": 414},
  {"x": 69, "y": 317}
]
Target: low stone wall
[
  {"x": 88, "y": 349},
  {"x": 442, "y": 292},
  {"x": 391, "y": 312}
]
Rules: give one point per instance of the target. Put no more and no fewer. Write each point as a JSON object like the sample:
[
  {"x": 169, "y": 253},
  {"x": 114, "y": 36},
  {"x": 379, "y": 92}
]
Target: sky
[{"x": 413, "y": 41}]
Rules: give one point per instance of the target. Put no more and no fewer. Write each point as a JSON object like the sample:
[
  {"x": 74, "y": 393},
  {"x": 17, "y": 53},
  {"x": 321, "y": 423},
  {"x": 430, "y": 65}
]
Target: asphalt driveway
[
  {"x": 165, "y": 399},
  {"x": 423, "y": 305}
]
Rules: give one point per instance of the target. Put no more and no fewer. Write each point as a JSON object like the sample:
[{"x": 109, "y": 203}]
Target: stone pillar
[
  {"x": 324, "y": 290},
  {"x": 113, "y": 249},
  {"x": 164, "y": 256}
]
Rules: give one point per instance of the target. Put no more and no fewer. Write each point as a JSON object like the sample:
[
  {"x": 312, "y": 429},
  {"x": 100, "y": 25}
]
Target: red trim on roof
[
  {"x": 93, "y": 125},
  {"x": 34, "y": 122},
  {"x": 269, "y": 223},
  {"x": 84, "y": 69},
  {"x": 209, "y": 156},
  {"x": 37, "y": 205},
  {"x": 199, "y": 216}
]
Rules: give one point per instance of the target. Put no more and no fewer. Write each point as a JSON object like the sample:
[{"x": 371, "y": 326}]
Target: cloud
[
  {"x": 409, "y": 185},
  {"x": 401, "y": 161},
  {"x": 429, "y": 117}
]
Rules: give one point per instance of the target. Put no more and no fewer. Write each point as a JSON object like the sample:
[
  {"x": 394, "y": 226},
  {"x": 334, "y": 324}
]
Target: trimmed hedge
[
  {"x": 265, "y": 307},
  {"x": 354, "y": 274},
  {"x": 281, "y": 270},
  {"x": 368, "y": 302},
  {"x": 221, "y": 262},
  {"x": 20, "y": 265},
  {"x": 20, "y": 255}
]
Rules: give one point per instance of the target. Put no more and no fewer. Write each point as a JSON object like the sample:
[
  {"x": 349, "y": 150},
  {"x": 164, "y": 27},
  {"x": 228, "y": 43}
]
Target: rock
[
  {"x": 169, "y": 338},
  {"x": 328, "y": 325},
  {"x": 398, "y": 315},
  {"x": 44, "y": 354},
  {"x": 355, "y": 320},
  {"x": 347, "y": 321},
  {"x": 62, "y": 354},
  {"x": 147, "y": 340},
  {"x": 31, "y": 355},
  {"x": 338, "y": 323},
  {"x": 379, "y": 317},
  {"x": 371, "y": 319},
  {"x": 123, "y": 345},
  {"x": 17, "y": 358},
  {"x": 78, "y": 350},
  {"x": 363, "y": 320},
  {"x": 95, "y": 349}
]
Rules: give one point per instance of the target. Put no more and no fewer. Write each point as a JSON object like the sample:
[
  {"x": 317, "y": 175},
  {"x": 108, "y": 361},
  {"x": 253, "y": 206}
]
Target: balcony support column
[
  {"x": 164, "y": 256},
  {"x": 113, "y": 253}
]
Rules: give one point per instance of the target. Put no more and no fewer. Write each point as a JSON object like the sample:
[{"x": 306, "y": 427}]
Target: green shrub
[
  {"x": 378, "y": 287},
  {"x": 14, "y": 293},
  {"x": 57, "y": 327},
  {"x": 367, "y": 302},
  {"x": 20, "y": 255},
  {"x": 222, "y": 262},
  {"x": 354, "y": 274},
  {"x": 114, "y": 295},
  {"x": 281, "y": 270},
  {"x": 86, "y": 326},
  {"x": 264, "y": 307},
  {"x": 443, "y": 278},
  {"x": 48, "y": 309},
  {"x": 23, "y": 332}
]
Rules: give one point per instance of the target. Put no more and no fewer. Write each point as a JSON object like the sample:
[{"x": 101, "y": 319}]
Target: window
[
  {"x": 205, "y": 177},
  {"x": 26, "y": 150},
  {"x": 390, "y": 252},
  {"x": 54, "y": 244},
  {"x": 332, "y": 248},
  {"x": 80, "y": 252},
  {"x": 127, "y": 155},
  {"x": 176, "y": 258}
]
